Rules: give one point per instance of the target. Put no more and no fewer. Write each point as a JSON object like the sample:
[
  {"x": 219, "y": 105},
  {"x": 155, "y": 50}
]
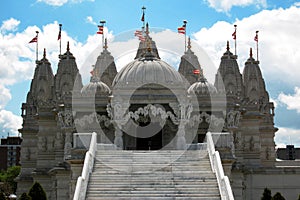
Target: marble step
[
  {"x": 155, "y": 198},
  {"x": 151, "y": 196},
  {"x": 152, "y": 175}
]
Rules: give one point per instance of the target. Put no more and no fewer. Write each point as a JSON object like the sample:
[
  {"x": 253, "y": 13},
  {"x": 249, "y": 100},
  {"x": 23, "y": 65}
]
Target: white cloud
[
  {"x": 10, "y": 122},
  {"x": 279, "y": 52},
  {"x": 226, "y": 5},
  {"x": 297, "y": 4},
  {"x": 61, "y": 2},
  {"x": 89, "y": 19},
  {"x": 9, "y": 25},
  {"x": 5, "y": 96},
  {"x": 285, "y": 136},
  {"x": 291, "y": 101}
]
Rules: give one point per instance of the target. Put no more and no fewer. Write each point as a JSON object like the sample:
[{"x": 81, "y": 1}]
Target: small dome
[
  {"x": 202, "y": 87},
  {"x": 148, "y": 70},
  {"x": 96, "y": 87}
]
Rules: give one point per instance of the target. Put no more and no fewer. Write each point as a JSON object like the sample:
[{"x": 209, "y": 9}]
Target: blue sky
[{"x": 210, "y": 24}]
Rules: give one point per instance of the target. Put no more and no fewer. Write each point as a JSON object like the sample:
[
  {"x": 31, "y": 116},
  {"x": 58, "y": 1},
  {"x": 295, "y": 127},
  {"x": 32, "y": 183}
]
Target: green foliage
[
  {"x": 25, "y": 196},
  {"x": 7, "y": 177},
  {"x": 278, "y": 196},
  {"x": 2, "y": 197},
  {"x": 267, "y": 194},
  {"x": 37, "y": 192}
]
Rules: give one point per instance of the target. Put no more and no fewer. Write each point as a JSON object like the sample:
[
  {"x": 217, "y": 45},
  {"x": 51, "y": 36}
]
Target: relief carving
[{"x": 42, "y": 145}]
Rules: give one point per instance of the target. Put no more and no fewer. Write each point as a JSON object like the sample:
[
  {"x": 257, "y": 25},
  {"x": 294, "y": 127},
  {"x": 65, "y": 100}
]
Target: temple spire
[
  {"x": 147, "y": 29},
  {"x": 251, "y": 54},
  {"x": 105, "y": 44},
  {"x": 189, "y": 46},
  {"x": 227, "y": 46},
  {"x": 44, "y": 55},
  {"x": 68, "y": 47}
]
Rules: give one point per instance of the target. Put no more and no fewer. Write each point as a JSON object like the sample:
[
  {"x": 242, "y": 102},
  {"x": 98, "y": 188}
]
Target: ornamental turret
[
  {"x": 229, "y": 75},
  {"x": 67, "y": 78},
  {"x": 189, "y": 63},
  {"x": 105, "y": 67},
  {"x": 255, "y": 89}
]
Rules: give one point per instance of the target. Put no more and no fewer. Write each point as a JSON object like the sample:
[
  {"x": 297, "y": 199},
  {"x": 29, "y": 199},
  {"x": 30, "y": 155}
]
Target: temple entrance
[{"x": 149, "y": 136}]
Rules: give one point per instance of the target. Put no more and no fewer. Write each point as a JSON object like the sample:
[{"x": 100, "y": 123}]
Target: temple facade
[{"x": 148, "y": 105}]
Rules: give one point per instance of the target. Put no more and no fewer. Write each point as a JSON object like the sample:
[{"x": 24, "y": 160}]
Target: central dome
[{"x": 147, "y": 71}]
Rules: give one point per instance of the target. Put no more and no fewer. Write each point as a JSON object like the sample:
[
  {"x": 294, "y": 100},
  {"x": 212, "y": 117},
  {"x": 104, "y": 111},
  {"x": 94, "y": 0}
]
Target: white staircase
[{"x": 169, "y": 174}]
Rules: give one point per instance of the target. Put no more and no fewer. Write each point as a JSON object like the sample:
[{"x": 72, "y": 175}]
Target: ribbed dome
[
  {"x": 96, "y": 87},
  {"x": 148, "y": 70},
  {"x": 202, "y": 87}
]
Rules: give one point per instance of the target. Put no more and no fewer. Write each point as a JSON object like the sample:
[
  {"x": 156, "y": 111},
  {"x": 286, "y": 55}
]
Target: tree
[
  {"x": 8, "y": 176},
  {"x": 25, "y": 196},
  {"x": 278, "y": 196},
  {"x": 299, "y": 197},
  {"x": 267, "y": 194},
  {"x": 37, "y": 192},
  {"x": 2, "y": 197}
]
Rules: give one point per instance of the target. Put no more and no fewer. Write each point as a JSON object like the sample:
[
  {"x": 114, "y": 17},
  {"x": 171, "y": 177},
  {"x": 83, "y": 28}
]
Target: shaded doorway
[{"x": 149, "y": 136}]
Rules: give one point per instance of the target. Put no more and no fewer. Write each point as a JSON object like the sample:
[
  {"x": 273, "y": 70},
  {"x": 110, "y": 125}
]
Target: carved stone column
[
  {"x": 67, "y": 124},
  {"x": 118, "y": 138},
  {"x": 118, "y": 116},
  {"x": 181, "y": 142},
  {"x": 185, "y": 112},
  {"x": 68, "y": 144}
]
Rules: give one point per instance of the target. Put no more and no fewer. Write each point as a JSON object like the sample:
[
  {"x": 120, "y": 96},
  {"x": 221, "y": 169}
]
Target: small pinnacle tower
[
  {"x": 67, "y": 78},
  {"x": 189, "y": 63},
  {"x": 105, "y": 67},
  {"x": 143, "y": 45},
  {"x": 229, "y": 75},
  {"x": 255, "y": 89}
]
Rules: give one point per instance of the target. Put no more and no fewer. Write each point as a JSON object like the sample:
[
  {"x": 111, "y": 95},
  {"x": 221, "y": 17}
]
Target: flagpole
[
  {"x": 256, "y": 45},
  {"x": 60, "y": 25},
  {"x": 184, "y": 22},
  {"x": 144, "y": 27},
  {"x": 103, "y": 24},
  {"x": 235, "y": 39},
  {"x": 143, "y": 16},
  {"x": 37, "y": 45}
]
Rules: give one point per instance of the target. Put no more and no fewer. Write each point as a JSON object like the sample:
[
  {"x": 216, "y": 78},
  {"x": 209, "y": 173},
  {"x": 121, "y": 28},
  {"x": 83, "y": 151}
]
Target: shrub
[
  {"x": 278, "y": 196},
  {"x": 2, "y": 197},
  {"x": 267, "y": 194},
  {"x": 25, "y": 196},
  {"x": 37, "y": 192}
]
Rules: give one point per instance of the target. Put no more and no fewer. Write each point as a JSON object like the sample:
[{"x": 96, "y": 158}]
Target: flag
[
  {"x": 142, "y": 38},
  {"x": 101, "y": 29},
  {"x": 140, "y": 35},
  {"x": 143, "y": 17},
  {"x": 35, "y": 39},
  {"x": 256, "y": 38},
  {"x": 181, "y": 30},
  {"x": 59, "y": 33},
  {"x": 196, "y": 71},
  {"x": 234, "y": 35},
  {"x": 92, "y": 72}
]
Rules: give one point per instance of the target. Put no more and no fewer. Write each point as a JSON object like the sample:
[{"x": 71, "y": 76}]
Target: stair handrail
[
  {"x": 216, "y": 165},
  {"x": 82, "y": 181}
]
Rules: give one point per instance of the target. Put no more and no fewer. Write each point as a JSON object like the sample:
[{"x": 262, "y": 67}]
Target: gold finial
[
  {"x": 189, "y": 43},
  {"x": 251, "y": 53},
  {"x": 227, "y": 46},
  {"x": 105, "y": 44}
]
